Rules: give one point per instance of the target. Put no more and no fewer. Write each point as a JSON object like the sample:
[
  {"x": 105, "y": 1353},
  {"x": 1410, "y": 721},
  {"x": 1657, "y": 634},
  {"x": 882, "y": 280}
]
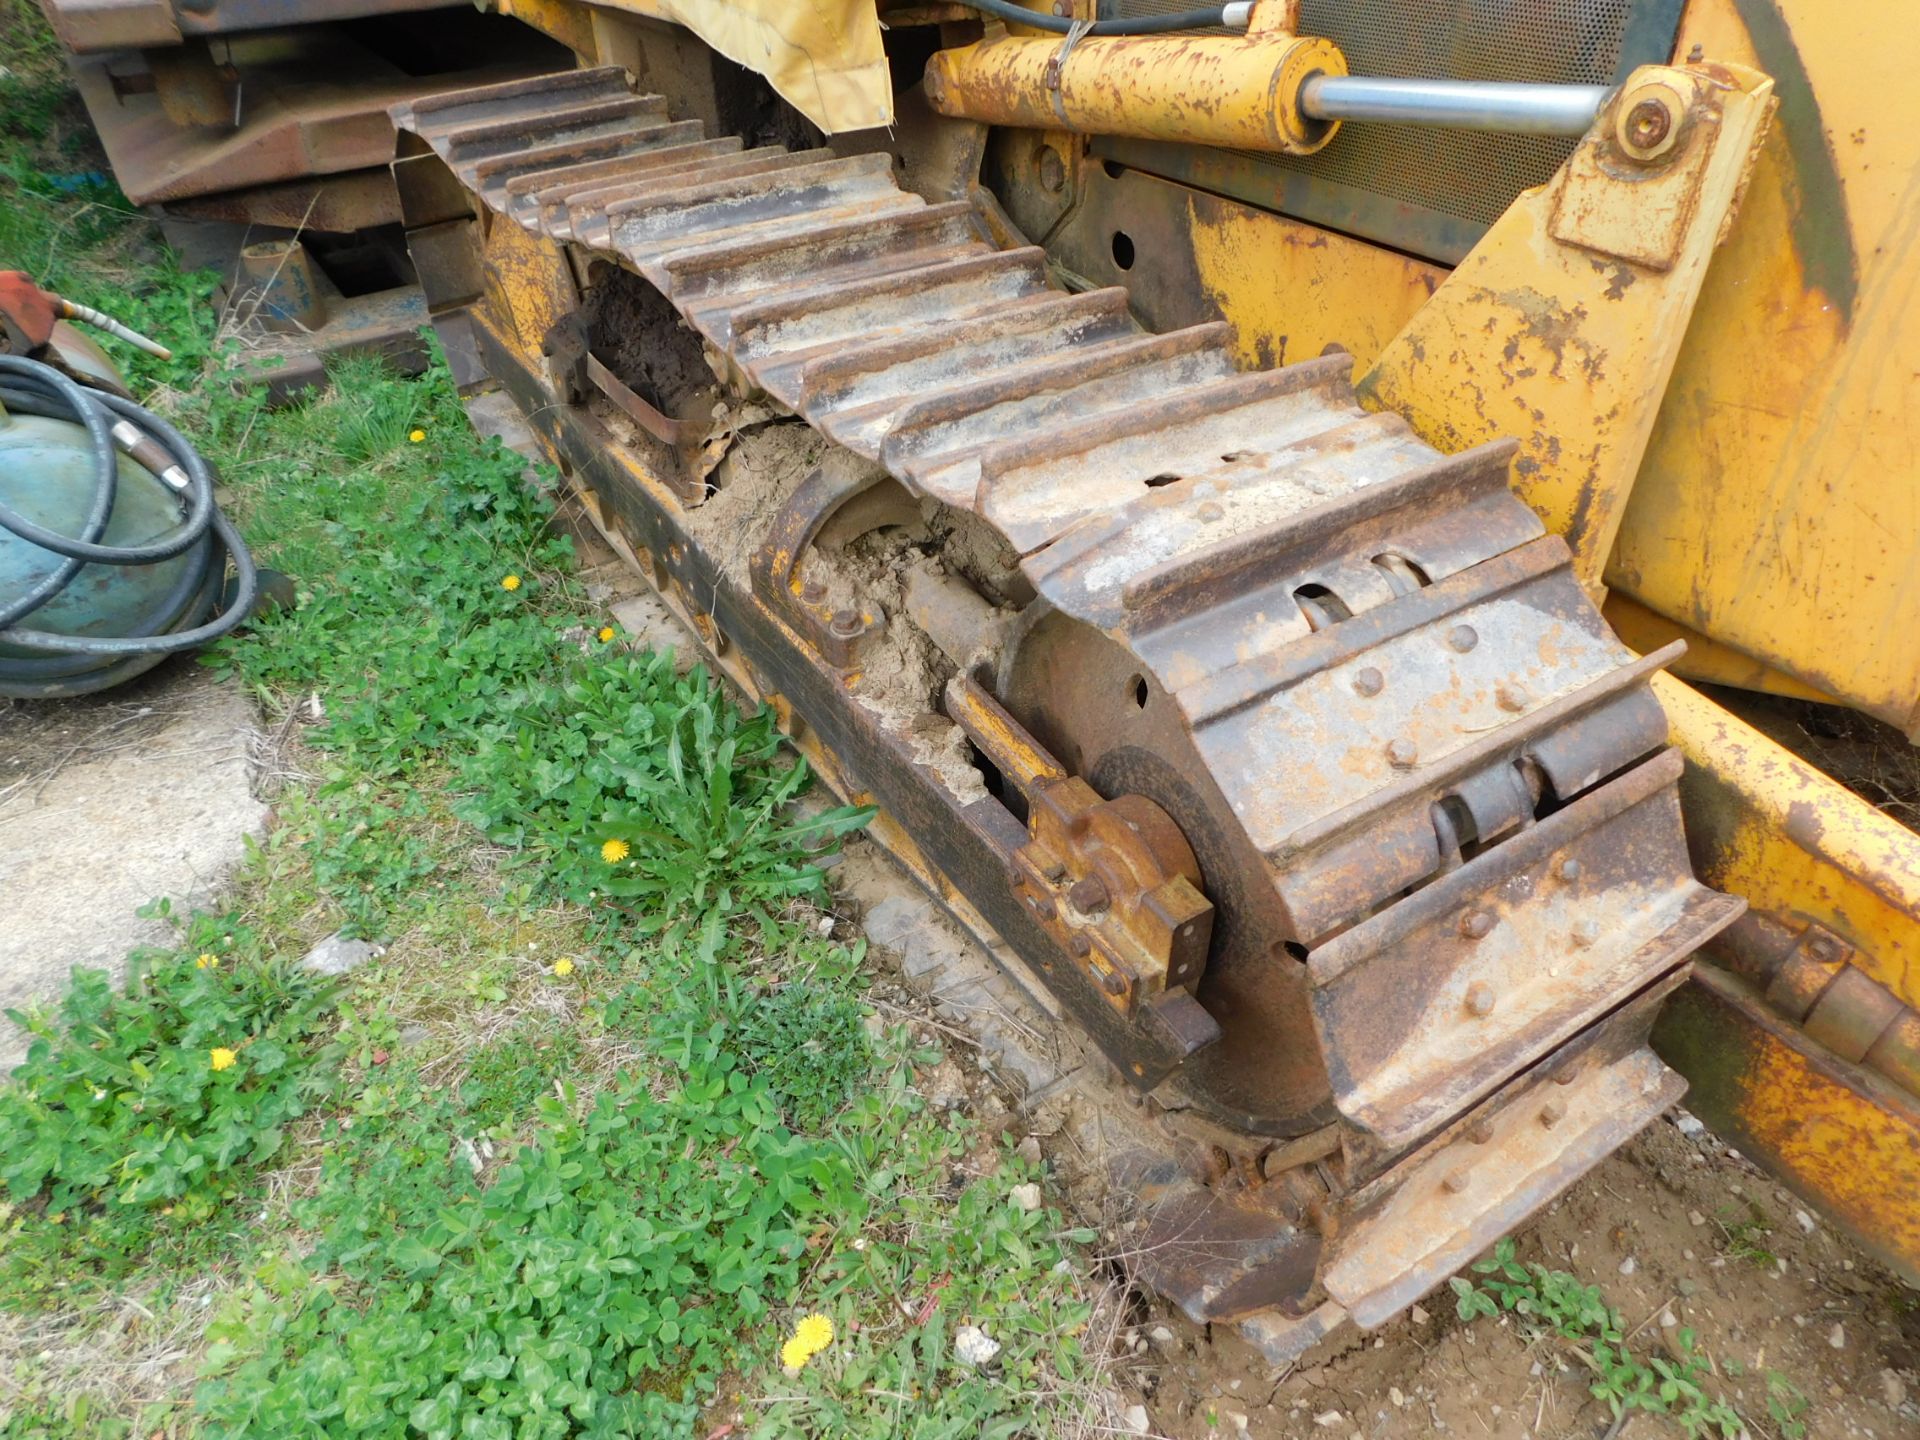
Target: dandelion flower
[
  {"x": 510, "y": 582},
  {"x": 221, "y": 1058},
  {"x": 416, "y": 436},
  {"x": 606, "y": 633},
  {"x": 815, "y": 1332},
  {"x": 563, "y": 967},
  {"x": 812, "y": 1335},
  {"x": 207, "y": 962},
  {"x": 613, "y": 851}
]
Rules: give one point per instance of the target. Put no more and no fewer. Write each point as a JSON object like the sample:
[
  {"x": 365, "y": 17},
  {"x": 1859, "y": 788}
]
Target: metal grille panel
[{"x": 1428, "y": 191}]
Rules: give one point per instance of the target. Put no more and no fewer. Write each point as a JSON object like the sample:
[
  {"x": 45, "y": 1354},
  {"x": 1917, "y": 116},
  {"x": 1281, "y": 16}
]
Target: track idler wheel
[{"x": 1113, "y": 881}]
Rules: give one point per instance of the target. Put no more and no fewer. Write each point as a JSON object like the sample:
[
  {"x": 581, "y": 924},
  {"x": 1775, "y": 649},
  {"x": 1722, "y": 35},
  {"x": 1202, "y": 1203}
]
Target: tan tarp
[{"x": 823, "y": 56}]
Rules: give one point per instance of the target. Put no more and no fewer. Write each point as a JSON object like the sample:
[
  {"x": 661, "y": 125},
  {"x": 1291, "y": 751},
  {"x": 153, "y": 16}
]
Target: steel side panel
[{"x": 1847, "y": 1142}]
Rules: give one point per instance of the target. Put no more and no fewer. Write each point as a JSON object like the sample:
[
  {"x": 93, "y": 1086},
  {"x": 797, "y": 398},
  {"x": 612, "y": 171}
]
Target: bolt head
[
  {"x": 1368, "y": 682},
  {"x": 1823, "y": 949},
  {"x": 1480, "y": 998},
  {"x": 1568, "y": 869},
  {"x": 1462, "y": 638},
  {"x": 846, "y": 623},
  {"x": 1209, "y": 511},
  {"x": 1480, "y": 1132},
  {"x": 1080, "y": 946},
  {"x": 813, "y": 592},
  {"x": 1476, "y": 924},
  {"x": 1454, "y": 1181},
  {"x": 1512, "y": 697},
  {"x": 1552, "y": 1113},
  {"x": 1053, "y": 170},
  {"x": 1648, "y": 124},
  {"x": 1401, "y": 754},
  {"x": 1585, "y": 934},
  {"x": 1113, "y": 982},
  {"x": 1089, "y": 896}
]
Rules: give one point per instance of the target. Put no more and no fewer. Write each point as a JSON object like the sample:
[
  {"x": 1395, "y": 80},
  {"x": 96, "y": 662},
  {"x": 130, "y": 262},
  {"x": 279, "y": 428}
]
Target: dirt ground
[
  {"x": 1678, "y": 1232},
  {"x": 107, "y": 802}
]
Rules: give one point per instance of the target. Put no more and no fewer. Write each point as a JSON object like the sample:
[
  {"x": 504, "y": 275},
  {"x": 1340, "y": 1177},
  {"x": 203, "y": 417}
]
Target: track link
[{"x": 1326, "y": 802}]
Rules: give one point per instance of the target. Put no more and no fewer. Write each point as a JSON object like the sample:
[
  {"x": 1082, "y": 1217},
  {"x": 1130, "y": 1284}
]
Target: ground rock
[{"x": 338, "y": 955}]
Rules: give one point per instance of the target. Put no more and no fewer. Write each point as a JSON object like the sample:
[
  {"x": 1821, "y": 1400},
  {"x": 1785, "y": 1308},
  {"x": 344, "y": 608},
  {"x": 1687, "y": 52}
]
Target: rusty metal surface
[
  {"x": 91, "y": 26},
  {"x": 1239, "y": 91},
  {"x": 1845, "y": 1139},
  {"x": 1259, "y": 661},
  {"x": 309, "y": 104}
]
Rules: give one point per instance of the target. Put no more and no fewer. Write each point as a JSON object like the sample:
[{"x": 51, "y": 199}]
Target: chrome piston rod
[{"x": 1515, "y": 108}]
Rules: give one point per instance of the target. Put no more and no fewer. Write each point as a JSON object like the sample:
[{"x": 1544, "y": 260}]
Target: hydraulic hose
[
  {"x": 183, "y": 619},
  {"x": 1232, "y": 16}
]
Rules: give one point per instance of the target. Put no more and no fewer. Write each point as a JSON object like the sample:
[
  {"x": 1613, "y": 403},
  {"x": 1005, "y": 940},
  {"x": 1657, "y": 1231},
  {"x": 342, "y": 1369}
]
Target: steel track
[{"x": 1437, "y": 877}]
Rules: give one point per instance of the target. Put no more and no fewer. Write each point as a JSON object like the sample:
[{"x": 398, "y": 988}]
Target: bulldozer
[{"x": 1296, "y": 513}]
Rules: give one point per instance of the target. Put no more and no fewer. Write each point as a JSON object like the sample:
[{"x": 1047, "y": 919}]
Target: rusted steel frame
[
  {"x": 1233, "y": 689},
  {"x": 971, "y": 845},
  {"x": 837, "y": 636},
  {"x": 1114, "y": 880},
  {"x": 1360, "y": 944},
  {"x": 1430, "y": 1213},
  {"x": 1234, "y": 562},
  {"x": 667, "y": 431},
  {"x": 1454, "y": 768},
  {"x": 332, "y": 204}
]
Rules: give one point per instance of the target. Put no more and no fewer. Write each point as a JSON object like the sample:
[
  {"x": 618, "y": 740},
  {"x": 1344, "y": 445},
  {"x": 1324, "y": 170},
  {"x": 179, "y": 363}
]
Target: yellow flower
[
  {"x": 563, "y": 967},
  {"x": 606, "y": 633},
  {"x": 510, "y": 582},
  {"x": 222, "y": 1058},
  {"x": 416, "y": 436},
  {"x": 613, "y": 851},
  {"x": 814, "y": 1331},
  {"x": 207, "y": 962},
  {"x": 812, "y": 1335}
]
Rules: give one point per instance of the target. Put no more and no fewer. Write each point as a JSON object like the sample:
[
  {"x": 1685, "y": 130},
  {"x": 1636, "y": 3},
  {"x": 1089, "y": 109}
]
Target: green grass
[
  {"x": 1681, "y": 1384},
  {"x": 572, "y": 1156}
]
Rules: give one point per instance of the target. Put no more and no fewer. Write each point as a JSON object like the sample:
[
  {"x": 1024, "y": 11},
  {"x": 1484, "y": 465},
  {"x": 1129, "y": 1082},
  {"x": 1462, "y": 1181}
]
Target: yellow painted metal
[
  {"x": 530, "y": 294},
  {"x": 1780, "y": 512},
  {"x": 1766, "y": 825},
  {"x": 1803, "y": 850},
  {"x": 1563, "y": 323},
  {"x": 1241, "y": 91},
  {"x": 569, "y": 23},
  {"x": 1844, "y": 1139},
  {"x": 1291, "y": 290},
  {"x": 1706, "y": 660}
]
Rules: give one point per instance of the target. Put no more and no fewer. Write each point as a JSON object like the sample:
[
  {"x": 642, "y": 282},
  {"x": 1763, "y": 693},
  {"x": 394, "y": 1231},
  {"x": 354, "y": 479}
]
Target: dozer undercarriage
[{"x": 1286, "y": 752}]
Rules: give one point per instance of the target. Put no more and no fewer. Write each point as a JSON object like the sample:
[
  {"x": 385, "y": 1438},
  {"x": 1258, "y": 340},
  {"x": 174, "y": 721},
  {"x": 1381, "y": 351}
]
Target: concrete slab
[{"x": 107, "y": 802}]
